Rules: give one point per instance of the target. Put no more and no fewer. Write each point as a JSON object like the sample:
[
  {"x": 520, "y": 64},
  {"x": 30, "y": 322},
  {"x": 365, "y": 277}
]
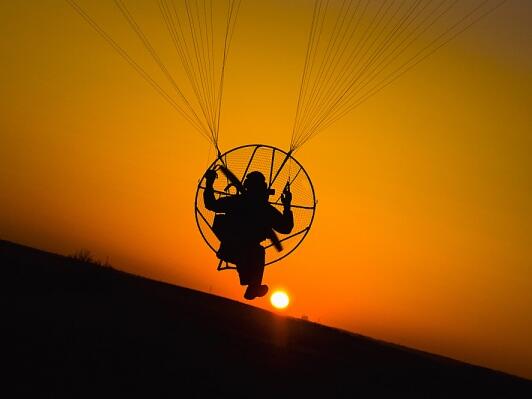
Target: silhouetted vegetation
[{"x": 85, "y": 256}]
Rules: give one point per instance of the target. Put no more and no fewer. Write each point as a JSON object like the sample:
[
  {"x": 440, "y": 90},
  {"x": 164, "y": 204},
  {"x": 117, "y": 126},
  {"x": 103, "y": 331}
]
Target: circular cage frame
[{"x": 288, "y": 156}]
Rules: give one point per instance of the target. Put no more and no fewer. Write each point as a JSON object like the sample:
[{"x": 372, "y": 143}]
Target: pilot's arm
[
  {"x": 284, "y": 222},
  {"x": 211, "y": 203}
]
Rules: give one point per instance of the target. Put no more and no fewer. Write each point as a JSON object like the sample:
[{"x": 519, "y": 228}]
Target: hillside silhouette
[{"x": 80, "y": 330}]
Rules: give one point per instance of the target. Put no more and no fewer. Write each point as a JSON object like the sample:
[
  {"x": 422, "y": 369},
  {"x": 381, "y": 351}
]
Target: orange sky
[{"x": 423, "y": 230}]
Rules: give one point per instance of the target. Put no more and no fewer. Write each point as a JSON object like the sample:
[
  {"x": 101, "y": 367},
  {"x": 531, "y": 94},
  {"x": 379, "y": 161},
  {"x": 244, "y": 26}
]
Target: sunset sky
[{"x": 423, "y": 229}]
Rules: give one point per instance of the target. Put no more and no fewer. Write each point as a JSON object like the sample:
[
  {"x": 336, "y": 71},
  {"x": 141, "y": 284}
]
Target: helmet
[{"x": 255, "y": 183}]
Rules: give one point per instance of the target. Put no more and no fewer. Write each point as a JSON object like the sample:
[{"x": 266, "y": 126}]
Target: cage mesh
[{"x": 279, "y": 168}]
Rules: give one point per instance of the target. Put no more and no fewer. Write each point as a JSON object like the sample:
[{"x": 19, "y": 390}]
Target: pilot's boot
[
  {"x": 254, "y": 291},
  {"x": 261, "y": 290}
]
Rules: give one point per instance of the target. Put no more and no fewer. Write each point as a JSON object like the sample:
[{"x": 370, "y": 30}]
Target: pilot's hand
[
  {"x": 286, "y": 198},
  {"x": 210, "y": 177}
]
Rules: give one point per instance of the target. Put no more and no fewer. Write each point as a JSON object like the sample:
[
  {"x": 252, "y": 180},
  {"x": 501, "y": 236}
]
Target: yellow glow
[
  {"x": 422, "y": 189},
  {"x": 280, "y": 299}
]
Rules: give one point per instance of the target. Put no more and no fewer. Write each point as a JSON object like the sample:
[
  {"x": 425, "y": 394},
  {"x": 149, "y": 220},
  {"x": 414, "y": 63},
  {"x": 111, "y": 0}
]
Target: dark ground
[{"x": 72, "y": 329}]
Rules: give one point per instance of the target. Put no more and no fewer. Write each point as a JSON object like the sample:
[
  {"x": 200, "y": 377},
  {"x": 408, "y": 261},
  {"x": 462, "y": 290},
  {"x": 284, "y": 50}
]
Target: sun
[{"x": 280, "y": 299}]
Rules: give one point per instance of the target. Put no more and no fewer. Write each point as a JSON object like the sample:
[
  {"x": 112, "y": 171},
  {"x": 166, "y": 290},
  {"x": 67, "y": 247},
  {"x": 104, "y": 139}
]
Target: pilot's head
[{"x": 255, "y": 184}]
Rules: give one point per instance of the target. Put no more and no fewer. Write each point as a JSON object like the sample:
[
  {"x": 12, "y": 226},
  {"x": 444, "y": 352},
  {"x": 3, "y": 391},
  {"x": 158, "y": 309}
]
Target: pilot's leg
[
  {"x": 256, "y": 270},
  {"x": 258, "y": 260},
  {"x": 244, "y": 266},
  {"x": 244, "y": 272}
]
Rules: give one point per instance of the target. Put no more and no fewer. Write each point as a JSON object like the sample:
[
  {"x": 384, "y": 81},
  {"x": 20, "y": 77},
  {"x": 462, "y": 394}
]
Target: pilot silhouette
[{"x": 242, "y": 222}]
